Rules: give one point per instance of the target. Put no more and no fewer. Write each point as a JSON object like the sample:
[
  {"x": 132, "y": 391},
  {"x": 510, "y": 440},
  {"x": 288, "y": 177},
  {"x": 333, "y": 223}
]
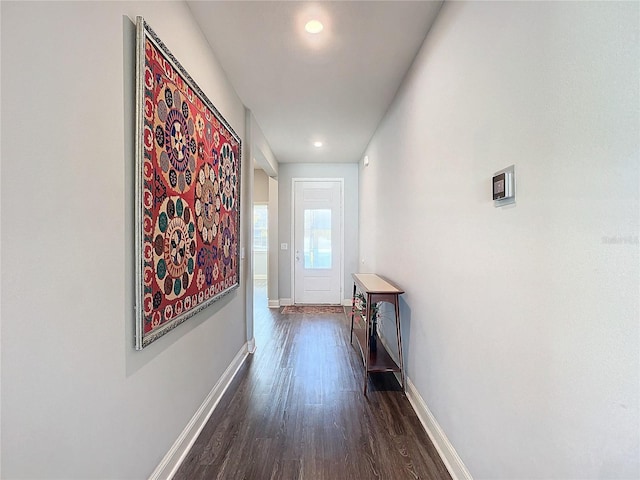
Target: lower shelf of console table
[{"x": 379, "y": 359}]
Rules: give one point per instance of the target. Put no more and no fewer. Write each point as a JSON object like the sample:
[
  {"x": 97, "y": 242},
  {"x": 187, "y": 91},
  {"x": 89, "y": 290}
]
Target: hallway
[{"x": 296, "y": 410}]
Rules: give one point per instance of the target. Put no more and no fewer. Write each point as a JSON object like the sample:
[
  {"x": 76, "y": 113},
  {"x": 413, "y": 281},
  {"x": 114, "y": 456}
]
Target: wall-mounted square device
[
  {"x": 504, "y": 187},
  {"x": 498, "y": 187}
]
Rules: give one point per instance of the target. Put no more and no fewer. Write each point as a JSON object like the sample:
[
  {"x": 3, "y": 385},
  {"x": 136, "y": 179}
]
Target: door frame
[{"x": 292, "y": 255}]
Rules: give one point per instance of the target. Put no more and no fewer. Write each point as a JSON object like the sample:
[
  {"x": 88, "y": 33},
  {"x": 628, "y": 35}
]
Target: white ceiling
[{"x": 332, "y": 87}]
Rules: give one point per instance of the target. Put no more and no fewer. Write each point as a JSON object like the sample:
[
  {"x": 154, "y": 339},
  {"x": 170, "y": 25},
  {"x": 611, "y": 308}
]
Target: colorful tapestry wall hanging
[{"x": 187, "y": 194}]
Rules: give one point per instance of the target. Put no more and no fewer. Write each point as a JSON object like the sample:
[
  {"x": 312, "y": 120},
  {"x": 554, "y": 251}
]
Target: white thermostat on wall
[{"x": 504, "y": 186}]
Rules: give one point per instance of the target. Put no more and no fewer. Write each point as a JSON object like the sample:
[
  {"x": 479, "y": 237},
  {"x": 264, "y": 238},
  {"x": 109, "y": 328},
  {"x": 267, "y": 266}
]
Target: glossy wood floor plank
[{"x": 296, "y": 411}]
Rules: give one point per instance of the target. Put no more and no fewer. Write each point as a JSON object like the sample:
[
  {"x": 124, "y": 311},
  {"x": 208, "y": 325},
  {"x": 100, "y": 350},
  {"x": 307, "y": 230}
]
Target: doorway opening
[
  {"x": 318, "y": 241},
  {"x": 260, "y": 251}
]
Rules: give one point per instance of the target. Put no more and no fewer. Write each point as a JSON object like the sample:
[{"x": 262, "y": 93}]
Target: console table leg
[
  {"x": 353, "y": 312},
  {"x": 399, "y": 336},
  {"x": 367, "y": 353},
  {"x": 366, "y": 378}
]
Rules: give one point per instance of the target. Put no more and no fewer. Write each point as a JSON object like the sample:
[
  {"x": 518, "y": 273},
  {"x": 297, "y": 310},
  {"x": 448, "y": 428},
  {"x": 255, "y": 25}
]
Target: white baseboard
[
  {"x": 251, "y": 346},
  {"x": 259, "y": 277},
  {"x": 286, "y": 301},
  {"x": 449, "y": 456},
  {"x": 167, "y": 468},
  {"x": 274, "y": 303},
  {"x": 347, "y": 302}
]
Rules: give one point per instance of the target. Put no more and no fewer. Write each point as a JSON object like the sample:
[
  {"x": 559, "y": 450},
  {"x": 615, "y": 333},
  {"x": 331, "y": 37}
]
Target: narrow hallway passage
[{"x": 296, "y": 411}]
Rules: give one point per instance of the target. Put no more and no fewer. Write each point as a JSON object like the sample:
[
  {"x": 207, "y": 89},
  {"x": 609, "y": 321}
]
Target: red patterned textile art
[{"x": 188, "y": 190}]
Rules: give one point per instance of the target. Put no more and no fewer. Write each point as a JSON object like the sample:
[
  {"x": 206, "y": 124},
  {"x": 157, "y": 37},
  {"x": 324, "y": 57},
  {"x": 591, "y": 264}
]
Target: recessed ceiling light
[
  {"x": 317, "y": 144},
  {"x": 314, "y": 26}
]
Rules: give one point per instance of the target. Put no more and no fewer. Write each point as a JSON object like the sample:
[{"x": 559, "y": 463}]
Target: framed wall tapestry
[{"x": 187, "y": 194}]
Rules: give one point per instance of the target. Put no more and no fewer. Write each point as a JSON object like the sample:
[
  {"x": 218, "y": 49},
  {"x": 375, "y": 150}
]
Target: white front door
[{"x": 317, "y": 227}]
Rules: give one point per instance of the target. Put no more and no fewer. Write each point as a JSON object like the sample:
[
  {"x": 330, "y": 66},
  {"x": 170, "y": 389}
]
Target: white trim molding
[
  {"x": 251, "y": 346},
  {"x": 449, "y": 456},
  {"x": 169, "y": 465},
  {"x": 274, "y": 303},
  {"x": 286, "y": 301}
]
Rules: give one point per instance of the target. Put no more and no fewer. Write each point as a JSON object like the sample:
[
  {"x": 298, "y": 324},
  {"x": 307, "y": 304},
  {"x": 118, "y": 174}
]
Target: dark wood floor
[{"x": 296, "y": 411}]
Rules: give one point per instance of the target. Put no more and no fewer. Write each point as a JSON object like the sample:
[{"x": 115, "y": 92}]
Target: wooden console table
[{"x": 376, "y": 289}]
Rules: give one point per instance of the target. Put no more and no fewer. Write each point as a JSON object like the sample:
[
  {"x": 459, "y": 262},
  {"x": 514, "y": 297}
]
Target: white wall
[
  {"x": 78, "y": 402},
  {"x": 260, "y": 186},
  {"x": 348, "y": 172},
  {"x": 520, "y": 323},
  {"x": 264, "y": 157},
  {"x": 260, "y": 265},
  {"x": 273, "y": 295},
  {"x": 266, "y": 161}
]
